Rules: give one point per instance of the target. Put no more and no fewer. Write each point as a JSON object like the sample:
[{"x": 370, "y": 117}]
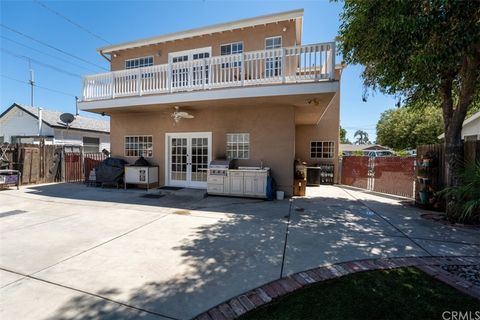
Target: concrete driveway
[{"x": 72, "y": 252}]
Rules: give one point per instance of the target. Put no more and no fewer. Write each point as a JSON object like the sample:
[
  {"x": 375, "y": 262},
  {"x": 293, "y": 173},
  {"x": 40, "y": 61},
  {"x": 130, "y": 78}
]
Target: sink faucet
[{"x": 261, "y": 164}]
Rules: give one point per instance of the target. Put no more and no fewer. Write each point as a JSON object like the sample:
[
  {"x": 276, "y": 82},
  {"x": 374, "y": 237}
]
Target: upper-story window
[
  {"x": 231, "y": 48},
  {"x": 273, "y": 42},
  {"x": 273, "y": 65},
  {"x": 139, "y": 62}
]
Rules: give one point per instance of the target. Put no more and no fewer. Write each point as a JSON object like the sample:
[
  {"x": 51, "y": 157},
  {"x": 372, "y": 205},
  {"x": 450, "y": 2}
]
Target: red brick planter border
[{"x": 241, "y": 304}]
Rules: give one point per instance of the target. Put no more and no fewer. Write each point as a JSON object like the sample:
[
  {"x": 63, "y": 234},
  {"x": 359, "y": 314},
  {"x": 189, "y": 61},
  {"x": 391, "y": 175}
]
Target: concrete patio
[{"x": 69, "y": 252}]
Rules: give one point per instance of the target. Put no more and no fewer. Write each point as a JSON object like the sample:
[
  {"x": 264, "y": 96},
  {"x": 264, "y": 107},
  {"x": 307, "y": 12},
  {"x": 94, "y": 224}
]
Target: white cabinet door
[
  {"x": 236, "y": 183},
  {"x": 250, "y": 185},
  {"x": 261, "y": 185}
]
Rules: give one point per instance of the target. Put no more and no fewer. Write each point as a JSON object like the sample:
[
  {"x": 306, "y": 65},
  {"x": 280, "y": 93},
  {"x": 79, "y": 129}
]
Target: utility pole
[{"x": 32, "y": 85}]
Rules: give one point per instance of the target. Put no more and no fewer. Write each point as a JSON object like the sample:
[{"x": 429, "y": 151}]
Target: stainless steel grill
[{"x": 219, "y": 167}]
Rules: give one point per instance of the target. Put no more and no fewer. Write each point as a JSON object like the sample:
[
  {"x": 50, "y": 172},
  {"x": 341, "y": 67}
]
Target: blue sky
[{"x": 119, "y": 21}]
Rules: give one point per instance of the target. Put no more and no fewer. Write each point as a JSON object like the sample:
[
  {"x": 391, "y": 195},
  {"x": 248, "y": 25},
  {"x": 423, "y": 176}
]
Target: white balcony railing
[{"x": 307, "y": 63}]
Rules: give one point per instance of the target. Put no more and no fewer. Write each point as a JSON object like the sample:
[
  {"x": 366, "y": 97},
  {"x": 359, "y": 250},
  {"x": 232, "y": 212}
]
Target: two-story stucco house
[{"x": 257, "y": 94}]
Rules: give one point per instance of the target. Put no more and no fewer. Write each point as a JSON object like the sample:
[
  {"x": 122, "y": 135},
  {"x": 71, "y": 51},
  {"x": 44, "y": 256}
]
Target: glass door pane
[
  {"x": 178, "y": 161},
  {"x": 180, "y": 72},
  {"x": 199, "y": 159},
  {"x": 198, "y": 75}
]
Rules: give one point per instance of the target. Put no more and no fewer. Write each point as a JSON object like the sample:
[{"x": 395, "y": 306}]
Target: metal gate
[
  {"x": 392, "y": 175},
  {"x": 77, "y": 165}
]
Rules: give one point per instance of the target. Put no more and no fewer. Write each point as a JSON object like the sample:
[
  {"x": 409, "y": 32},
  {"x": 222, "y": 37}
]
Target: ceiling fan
[{"x": 178, "y": 115}]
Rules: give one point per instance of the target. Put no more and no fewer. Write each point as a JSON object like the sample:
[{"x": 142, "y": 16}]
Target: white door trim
[{"x": 169, "y": 135}]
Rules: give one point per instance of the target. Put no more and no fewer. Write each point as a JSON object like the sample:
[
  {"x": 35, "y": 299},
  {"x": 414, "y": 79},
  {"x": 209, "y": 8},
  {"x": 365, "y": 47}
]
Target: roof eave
[{"x": 238, "y": 24}]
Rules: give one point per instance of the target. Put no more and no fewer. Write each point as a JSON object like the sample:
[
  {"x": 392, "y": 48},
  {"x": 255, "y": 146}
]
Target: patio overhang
[{"x": 309, "y": 99}]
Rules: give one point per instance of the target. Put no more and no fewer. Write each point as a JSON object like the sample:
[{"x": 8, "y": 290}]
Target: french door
[
  {"x": 188, "y": 69},
  {"x": 188, "y": 156}
]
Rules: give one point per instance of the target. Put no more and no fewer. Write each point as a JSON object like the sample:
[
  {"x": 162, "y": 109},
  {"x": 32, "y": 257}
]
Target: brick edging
[{"x": 245, "y": 302}]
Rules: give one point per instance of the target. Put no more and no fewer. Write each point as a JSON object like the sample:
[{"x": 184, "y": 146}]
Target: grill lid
[{"x": 221, "y": 164}]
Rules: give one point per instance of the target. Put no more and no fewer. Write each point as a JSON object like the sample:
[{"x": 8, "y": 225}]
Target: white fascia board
[
  {"x": 244, "y": 23},
  {"x": 471, "y": 119},
  {"x": 211, "y": 95}
]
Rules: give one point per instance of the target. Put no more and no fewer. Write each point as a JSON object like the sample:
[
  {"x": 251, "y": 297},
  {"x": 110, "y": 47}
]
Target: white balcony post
[
  {"x": 283, "y": 68},
  {"x": 242, "y": 70},
  {"x": 112, "y": 85},
  {"x": 190, "y": 73},
  {"x": 204, "y": 73},
  {"x": 169, "y": 77},
  {"x": 139, "y": 81},
  {"x": 84, "y": 88},
  {"x": 332, "y": 58}
]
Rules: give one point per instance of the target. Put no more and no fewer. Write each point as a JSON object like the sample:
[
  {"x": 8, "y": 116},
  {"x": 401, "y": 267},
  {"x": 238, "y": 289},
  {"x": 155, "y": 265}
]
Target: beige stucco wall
[
  {"x": 253, "y": 39},
  {"x": 327, "y": 130},
  {"x": 271, "y": 128}
]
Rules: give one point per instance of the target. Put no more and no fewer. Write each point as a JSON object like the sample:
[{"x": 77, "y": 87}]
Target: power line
[
  {"x": 40, "y": 87},
  {"x": 72, "y": 22},
  {"x": 29, "y": 59},
  {"x": 52, "y": 47},
  {"x": 42, "y": 52}
]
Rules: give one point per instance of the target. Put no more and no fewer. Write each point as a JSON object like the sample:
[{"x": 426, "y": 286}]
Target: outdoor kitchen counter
[{"x": 240, "y": 182}]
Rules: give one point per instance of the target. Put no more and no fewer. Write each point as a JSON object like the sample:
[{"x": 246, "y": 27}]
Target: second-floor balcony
[{"x": 308, "y": 63}]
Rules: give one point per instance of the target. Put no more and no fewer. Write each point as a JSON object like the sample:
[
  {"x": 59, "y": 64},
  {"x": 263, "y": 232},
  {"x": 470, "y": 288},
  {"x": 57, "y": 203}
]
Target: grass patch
[{"x": 403, "y": 293}]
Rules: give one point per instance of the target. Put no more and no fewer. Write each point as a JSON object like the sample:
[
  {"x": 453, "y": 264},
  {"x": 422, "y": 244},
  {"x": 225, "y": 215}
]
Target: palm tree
[{"x": 362, "y": 137}]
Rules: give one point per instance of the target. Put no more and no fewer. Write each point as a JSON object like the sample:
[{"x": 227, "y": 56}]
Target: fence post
[{"x": 62, "y": 164}]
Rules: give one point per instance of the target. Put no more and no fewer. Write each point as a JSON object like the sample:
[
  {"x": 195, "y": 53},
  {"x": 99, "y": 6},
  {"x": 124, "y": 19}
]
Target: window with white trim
[
  {"x": 273, "y": 42},
  {"x": 238, "y": 145},
  {"x": 136, "y": 146},
  {"x": 139, "y": 62},
  {"x": 229, "y": 49},
  {"x": 322, "y": 149}
]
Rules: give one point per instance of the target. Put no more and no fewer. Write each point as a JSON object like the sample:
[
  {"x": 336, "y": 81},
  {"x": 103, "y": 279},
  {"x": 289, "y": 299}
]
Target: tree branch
[{"x": 469, "y": 75}]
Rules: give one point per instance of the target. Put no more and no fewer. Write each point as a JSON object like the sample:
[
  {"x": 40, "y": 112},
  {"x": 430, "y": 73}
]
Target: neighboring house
[
  {"x": 20, "y": 122},
  {"x": 373, "y": 150},
  {"x": 257, "y": 95},
  {"x": 470, "y": 128}
]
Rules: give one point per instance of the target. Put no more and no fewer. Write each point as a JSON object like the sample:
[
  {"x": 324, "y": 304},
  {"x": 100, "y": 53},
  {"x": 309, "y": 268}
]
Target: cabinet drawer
[
  {"x": 235, "y": 174},
  {"x": 215, "y": 179},
  {"x": 255, "y": 174},
  {"x": 215, "y": 188}
]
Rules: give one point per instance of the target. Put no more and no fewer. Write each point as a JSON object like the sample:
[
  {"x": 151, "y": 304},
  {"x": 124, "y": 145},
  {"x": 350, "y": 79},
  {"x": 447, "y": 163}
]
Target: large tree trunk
[{"x": 454, "y": 157}]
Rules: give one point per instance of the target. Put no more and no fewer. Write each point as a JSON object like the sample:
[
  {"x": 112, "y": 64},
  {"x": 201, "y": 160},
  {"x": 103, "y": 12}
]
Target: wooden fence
[
  {"x": 40, "y": 163},
  {"x": 437, "y": 153}
]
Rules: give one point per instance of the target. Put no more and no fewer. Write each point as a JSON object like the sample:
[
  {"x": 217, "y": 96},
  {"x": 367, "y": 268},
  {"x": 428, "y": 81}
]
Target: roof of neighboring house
[
  {"x": 474, "y": 117},
  {"x": 361, "y": 147},
  {"x": 52, "y": 118},
  {"x": 238, "y": 24}
]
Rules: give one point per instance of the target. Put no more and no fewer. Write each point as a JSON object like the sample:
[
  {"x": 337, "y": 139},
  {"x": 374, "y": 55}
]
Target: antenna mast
[{"x": 32, "y": 85}]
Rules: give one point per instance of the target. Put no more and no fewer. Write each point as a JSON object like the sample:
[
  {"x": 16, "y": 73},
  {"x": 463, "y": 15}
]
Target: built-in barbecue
[{"x": 219, "y": 167}]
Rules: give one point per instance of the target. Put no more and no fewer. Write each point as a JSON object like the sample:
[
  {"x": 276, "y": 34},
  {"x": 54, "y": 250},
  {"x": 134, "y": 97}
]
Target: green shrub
[{"x": 465, "y": 199}]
